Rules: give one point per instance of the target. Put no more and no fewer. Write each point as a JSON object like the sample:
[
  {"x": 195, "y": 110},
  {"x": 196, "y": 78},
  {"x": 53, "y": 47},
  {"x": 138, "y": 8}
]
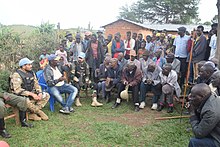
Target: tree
[
  {"x": 215, "y": 19},
  {"x": 208, "y": 23},
  {"x": 161, "y": 11}
]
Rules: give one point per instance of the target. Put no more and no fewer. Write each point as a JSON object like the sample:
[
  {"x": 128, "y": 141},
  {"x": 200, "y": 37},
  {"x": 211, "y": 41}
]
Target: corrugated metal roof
[{"x": 160, "y": 27}]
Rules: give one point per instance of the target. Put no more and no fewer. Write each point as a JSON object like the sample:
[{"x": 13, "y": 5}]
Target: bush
[{"x": 4, "y": 80}]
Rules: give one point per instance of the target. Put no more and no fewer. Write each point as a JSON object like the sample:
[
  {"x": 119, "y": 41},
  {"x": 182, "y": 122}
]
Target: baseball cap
[
  {"x": 53, "y": 57},
  {"x": 25, "y": 61},
  {"x": 82, "y": 55}
]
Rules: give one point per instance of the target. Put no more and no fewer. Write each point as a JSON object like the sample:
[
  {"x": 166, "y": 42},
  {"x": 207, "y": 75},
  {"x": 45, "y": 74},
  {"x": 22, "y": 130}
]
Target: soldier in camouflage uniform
[
  {"x": 15, "y": 101},
  {"x": 24, "y": 83}
]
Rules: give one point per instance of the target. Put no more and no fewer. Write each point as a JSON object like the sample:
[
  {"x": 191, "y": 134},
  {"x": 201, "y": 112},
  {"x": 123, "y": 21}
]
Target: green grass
[{"x": 101, "y": 126}]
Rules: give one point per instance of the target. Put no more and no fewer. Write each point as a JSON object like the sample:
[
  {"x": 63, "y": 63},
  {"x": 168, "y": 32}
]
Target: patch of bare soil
[{"x": 136, "y": 119}]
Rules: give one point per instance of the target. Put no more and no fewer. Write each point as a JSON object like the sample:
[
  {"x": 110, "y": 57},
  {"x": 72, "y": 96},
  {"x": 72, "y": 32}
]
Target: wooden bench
[{"x": 14, "y": 114}]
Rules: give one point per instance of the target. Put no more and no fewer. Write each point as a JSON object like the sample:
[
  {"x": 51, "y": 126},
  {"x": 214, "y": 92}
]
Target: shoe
[
  {"x": 95, "y": 103},
  {"x": 137, "y": 109},
  {"x": 25, "y": 124},
  {"x": 5, "y": 134},
  {"x": 154, "y": 106},
  {"x": 65, "y": 110},
  {"x": 34, "y": 117},
  {"x": 142, "y": 105},
  {"x": 186, "y": 112},
  {"x": 160, "y": 108},
  {"x": 42, "y": 115},
  {"x": 71, "y": 109},
  {"x": 22, "y": 117},
  {"x": 78, "y": 103},
  {"x": 170, "y": 110},
  {"x": 115, "y": 105},
  {"x": 107, "y": 100}
]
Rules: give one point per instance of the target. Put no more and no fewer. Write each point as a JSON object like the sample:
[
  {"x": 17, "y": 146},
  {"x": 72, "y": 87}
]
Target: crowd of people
[{"x": 112, "y": 65}]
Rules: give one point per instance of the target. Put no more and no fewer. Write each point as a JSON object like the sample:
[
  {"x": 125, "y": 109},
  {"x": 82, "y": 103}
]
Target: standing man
[
  {"x": 77, "y": 48},
  {"x": 24, "y": 83},
  {"x": 101, "y": 37},
  {"x": 180, "y": 50},
  {"x": 94, "y": 56},
  {"x": 117, "y": 46},
  {"x": 205, "y": 117},
  {"x": 199, "y": 50},
  {"x": 139, "y": 41},
  {"x": 56, "y": 83},
  {"x": 86, "y": 39},
  {"x": 129, "y": 45},
  {"x": 149, "y": 46}
]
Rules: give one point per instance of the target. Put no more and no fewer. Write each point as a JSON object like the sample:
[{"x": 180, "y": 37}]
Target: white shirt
[
  {"x": 57, "y": 74},
  {"x": 213, "y": 46},
  {"x": 181, "y": 44},
  {"x": 132, "y": 44}
]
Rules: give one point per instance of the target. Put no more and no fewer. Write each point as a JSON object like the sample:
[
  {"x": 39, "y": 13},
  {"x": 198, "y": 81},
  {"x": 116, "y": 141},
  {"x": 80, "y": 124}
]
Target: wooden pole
[{"x": 188, "y": 73}]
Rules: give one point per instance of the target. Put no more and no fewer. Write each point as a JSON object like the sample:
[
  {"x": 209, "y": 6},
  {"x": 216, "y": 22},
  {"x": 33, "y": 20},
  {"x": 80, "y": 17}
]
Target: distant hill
[{"x": 24, "y": 30}]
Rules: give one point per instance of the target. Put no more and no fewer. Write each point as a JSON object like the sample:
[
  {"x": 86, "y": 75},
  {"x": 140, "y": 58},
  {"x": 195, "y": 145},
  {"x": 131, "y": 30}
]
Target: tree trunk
[{"x": 218, "y": 34}]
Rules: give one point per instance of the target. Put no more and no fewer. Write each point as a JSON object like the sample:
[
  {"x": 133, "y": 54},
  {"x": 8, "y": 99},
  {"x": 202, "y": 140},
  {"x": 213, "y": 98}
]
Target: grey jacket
[
  {"x": 49, "y": 76},
  {"x": 207, "y": 120},
  {"x": 176, "y": 65}
]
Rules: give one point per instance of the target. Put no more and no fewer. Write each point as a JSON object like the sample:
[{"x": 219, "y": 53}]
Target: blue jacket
[{"x": 121, "y": 49}]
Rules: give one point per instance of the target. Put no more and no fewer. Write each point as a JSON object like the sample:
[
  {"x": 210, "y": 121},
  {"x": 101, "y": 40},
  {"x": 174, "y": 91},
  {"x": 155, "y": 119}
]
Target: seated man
[
  {"x": 215, "y": 81},
  {"x": 102, "y": 76},
  {"x": 170, "y": 85},
  {"x": 122, "y": 61},
  {"x": 81, "y": 75},
  {"x": 205, "y": 117},
  {"x": 131, "y": 76},
  {"x": 133, "y": 59},
  {"x": 56, "y": 83},
  {"x": 170, "y": 58},
  {"x": 24, "y": 83},
  {"x": 145, "y": 60},
  {"x": 150, "y": 81},
  {"x": 113, "y": 78},
  {"x": 205, "y": 73},
  {"x": 15, "y": 101}
]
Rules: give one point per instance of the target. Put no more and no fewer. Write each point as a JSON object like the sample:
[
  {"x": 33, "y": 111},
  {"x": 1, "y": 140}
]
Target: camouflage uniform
[
  {"x": 16, "y": 87},
  {"x": 13, "y": 100}
]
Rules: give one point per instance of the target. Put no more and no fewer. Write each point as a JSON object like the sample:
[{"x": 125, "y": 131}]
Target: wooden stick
[
  {"x": 171, "y": 117},
  {"x": 188, "y": 73}
]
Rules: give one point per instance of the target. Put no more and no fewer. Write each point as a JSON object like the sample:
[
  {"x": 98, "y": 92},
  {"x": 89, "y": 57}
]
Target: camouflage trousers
[
  {"x": 35, "y": 105},
  {"x": 13, "y": 100}
]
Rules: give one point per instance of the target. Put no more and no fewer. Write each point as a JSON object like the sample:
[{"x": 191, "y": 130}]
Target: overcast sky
[{"x": 74, "y": 13}]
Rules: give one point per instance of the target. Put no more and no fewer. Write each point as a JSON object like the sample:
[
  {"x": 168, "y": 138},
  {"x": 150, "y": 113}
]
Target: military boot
[
  {"x": 22, "y": 117},
  {"x": 77, "y": 102},
  {"x": 42, "y": 115},
  {"x": 95, "y": 103},
  {"x": 3, "y": 131},
  {"x": 33, "y": 116}
]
